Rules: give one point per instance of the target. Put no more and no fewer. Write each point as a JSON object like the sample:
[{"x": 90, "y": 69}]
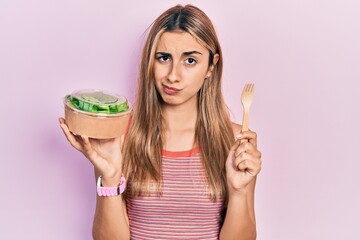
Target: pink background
[{"x": 303, "y": 57}]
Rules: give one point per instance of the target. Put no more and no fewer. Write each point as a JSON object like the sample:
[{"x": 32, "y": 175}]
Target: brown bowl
[{"x": 96, "y": 125}]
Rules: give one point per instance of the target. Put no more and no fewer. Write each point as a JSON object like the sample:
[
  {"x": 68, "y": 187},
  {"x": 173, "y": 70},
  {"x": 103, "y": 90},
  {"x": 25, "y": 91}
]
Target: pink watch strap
[{"x": 110, "y": 191}]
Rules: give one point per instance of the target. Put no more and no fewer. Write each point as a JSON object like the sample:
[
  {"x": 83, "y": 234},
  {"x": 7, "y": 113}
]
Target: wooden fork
[{"x": 246, "y": 100}]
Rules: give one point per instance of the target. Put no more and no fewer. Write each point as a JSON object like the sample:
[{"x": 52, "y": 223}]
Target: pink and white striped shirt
[{"x": 184, "y": 211}]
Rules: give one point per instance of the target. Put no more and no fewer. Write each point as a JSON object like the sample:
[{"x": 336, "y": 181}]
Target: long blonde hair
[{"x": 142, "y": 160}]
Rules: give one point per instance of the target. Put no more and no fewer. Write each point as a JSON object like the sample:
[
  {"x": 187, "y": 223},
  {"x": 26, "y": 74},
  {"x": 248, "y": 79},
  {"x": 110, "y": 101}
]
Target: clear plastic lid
[{"x": 97, "y": 101}]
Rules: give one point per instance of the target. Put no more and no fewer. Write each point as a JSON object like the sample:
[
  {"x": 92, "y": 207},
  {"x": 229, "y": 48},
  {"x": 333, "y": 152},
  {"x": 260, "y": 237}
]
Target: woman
[{"x": 189, "y": 175}]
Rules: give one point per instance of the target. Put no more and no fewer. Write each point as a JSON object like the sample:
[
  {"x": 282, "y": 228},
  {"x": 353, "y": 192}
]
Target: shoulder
[{"x": 236, "y": 128}]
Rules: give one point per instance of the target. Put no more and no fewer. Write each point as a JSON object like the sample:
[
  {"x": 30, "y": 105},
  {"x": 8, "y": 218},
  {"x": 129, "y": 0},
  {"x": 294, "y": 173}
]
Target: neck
[
  {"x": 180, "y": 124},
  {"x": 179, "y": 118}
]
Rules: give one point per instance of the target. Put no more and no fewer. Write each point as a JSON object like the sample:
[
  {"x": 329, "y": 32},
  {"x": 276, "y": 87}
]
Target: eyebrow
[
  {"x": 191, "y": 52},
  {"x": 184, "y": 53}
]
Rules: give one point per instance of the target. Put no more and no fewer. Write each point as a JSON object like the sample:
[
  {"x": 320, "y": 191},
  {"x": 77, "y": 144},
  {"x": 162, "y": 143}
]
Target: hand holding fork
[{"x": 244, "y": 160}]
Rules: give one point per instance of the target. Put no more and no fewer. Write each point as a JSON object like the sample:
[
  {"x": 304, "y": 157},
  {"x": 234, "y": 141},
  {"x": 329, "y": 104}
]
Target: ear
[
  {"x": 211, "y": 67},
  {"x": 216, "y": 59}
]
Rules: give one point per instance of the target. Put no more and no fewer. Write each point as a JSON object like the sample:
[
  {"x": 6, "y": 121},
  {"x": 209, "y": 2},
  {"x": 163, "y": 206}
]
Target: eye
[
  {"x": 190, "y": 61},
  {"x": 163, "y": 58}
]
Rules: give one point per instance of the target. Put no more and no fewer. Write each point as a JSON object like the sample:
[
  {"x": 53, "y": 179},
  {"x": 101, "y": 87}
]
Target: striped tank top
[{"x": 184, "y": 210}]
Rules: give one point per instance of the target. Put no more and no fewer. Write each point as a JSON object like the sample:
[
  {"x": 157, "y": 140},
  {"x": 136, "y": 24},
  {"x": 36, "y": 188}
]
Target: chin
[{"x": 171, "y": 102}]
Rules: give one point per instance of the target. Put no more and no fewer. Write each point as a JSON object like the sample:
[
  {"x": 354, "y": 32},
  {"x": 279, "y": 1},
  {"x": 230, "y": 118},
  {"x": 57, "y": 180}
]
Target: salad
[{"x": 95, "y": 101}]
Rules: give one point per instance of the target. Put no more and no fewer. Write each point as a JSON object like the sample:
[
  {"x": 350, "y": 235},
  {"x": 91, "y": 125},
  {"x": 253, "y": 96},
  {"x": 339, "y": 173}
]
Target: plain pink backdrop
[{"x": 303, "y": 56}]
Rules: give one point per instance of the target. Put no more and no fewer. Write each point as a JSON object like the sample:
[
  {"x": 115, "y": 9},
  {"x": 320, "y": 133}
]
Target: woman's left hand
[{"x": 243, "y": 162}]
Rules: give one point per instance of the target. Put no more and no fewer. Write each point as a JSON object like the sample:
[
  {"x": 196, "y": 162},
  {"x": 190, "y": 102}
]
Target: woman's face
[{"x": 180, "y": 68}]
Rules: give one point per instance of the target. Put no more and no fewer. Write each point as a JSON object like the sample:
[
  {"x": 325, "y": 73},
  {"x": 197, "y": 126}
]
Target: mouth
[{"x": 170, "y": 90}]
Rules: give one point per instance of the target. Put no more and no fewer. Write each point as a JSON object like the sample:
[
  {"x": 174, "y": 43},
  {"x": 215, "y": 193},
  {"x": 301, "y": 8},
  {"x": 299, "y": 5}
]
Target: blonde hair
[{"x": 142, "y": 164}]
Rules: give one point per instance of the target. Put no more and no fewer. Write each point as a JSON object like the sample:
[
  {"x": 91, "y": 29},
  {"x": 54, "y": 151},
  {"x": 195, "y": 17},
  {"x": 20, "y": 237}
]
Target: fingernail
[{"x": 238, "y": 136}]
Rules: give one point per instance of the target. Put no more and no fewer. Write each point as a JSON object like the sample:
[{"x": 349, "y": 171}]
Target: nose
[{"x": 174, "y": 73}]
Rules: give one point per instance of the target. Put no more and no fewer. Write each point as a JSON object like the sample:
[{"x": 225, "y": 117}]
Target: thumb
[
  {"x": 231, "y": 154},
  {"x": 119, "y": 141},
  {"x": 122, "y": 139}
]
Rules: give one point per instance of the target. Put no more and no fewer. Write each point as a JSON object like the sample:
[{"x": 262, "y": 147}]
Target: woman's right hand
[{"x": 104, "y": 154}]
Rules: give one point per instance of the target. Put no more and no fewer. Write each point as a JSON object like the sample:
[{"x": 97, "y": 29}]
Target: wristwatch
[{"x": 110, "y": 191}]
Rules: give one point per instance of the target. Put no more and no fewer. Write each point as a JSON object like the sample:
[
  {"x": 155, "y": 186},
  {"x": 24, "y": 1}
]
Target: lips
[{"x": 170, "y": 90}]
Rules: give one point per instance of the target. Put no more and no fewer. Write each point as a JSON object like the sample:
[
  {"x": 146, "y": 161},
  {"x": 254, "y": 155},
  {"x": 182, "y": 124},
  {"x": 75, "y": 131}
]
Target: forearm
[
  {"x": 110, "y": 220},
  {"x": 238, "y": 223}
]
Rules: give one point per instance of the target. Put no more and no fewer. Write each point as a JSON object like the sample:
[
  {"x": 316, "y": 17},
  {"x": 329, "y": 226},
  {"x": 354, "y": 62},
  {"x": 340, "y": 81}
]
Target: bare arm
[
  {"x": 110, "y": 220},
  {"x": 242, "y": 166},
  {"x": 240, "y": 215}
]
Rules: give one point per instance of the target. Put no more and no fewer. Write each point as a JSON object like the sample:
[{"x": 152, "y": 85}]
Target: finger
[
  {"x": 88, "y": 149},
  {"x": 249, "y": 166},
  {"x": 241, "y": 157},
  {"x": 233, "y": 148},
  {"x": 250, "y": 136},
  {"x": 246, "y": 156},
  {"x": 69, "y": 136},
  {"x": 231, "y": 155},
  {"x": 249, "y": 148},
  {"x": 242, "y": 166},
  {"x": 117, "y": 141},
  {"x": 246, "y": 147},
  {"x": 122, "y": 139}
]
